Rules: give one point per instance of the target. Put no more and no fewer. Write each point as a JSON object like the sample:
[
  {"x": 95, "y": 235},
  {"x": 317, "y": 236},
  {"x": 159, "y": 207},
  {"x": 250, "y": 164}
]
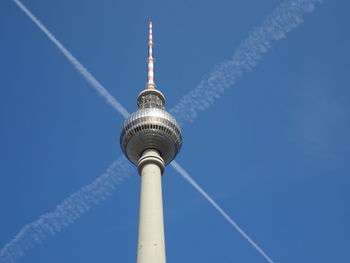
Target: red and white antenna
[{"x": 150, "y": 61}]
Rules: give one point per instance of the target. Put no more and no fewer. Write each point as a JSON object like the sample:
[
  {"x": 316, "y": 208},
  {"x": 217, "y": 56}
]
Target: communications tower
[{"x": 150, "y": 139}]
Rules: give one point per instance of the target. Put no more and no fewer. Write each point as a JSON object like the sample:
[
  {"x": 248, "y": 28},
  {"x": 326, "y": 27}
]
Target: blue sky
[{"x": 273, "y": 151}]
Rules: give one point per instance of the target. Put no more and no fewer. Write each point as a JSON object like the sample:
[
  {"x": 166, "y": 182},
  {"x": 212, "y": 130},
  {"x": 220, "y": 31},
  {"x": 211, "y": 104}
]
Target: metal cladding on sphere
[{"x": 151, "y": 127}]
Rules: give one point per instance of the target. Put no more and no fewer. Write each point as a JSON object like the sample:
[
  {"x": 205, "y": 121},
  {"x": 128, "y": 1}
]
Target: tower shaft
[{"x": 151, "y": 245}]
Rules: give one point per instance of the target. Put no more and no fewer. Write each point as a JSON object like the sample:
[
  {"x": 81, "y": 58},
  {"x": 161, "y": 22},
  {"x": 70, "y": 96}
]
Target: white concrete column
[{"x": 151, "y": 246}]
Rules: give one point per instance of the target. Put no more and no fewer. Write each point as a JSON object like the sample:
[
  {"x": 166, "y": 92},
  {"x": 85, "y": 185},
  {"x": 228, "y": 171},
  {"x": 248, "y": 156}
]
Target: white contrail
[
  {"x": 67, "y": 212},
  {"x": 82, "y": 70},
  {"x": 286, "y": 17},
  {"x": 190, "y": 180}
]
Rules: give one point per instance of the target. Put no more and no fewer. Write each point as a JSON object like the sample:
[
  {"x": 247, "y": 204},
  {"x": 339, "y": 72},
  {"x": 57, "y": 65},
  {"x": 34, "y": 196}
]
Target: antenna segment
[{"x": 150, "y": 60}]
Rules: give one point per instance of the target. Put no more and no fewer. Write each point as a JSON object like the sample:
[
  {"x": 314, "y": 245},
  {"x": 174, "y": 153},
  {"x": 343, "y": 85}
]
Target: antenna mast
[{"x": 150, "y": 60}]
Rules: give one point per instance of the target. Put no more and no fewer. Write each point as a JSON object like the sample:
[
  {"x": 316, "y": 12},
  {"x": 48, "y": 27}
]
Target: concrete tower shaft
[{"x": 151, "y": 244}]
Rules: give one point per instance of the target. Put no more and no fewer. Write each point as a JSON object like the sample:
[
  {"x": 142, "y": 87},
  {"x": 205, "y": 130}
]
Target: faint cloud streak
[
  {"x": 320, "y": 122},
  {"x": 283, "y": 19},
  {"x": 67, "y": 212}
]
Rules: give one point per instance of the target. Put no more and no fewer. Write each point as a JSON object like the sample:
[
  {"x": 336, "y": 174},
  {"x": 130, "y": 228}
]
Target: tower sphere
[{"x": 151, "y": 127}]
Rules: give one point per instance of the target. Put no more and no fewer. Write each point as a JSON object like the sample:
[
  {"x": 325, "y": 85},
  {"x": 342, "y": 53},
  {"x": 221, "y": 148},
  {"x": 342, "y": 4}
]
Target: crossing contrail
[
  {"x": 78, "y": 66},
  {"x": 287, "y": 16},
  {"x": 192, "y": 182},
  {"x": 67, "y": 212}
]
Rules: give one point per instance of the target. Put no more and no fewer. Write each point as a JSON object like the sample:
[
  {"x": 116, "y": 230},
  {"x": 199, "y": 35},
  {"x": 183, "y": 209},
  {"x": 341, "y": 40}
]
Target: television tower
[{"x": 150, "y": 139}]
